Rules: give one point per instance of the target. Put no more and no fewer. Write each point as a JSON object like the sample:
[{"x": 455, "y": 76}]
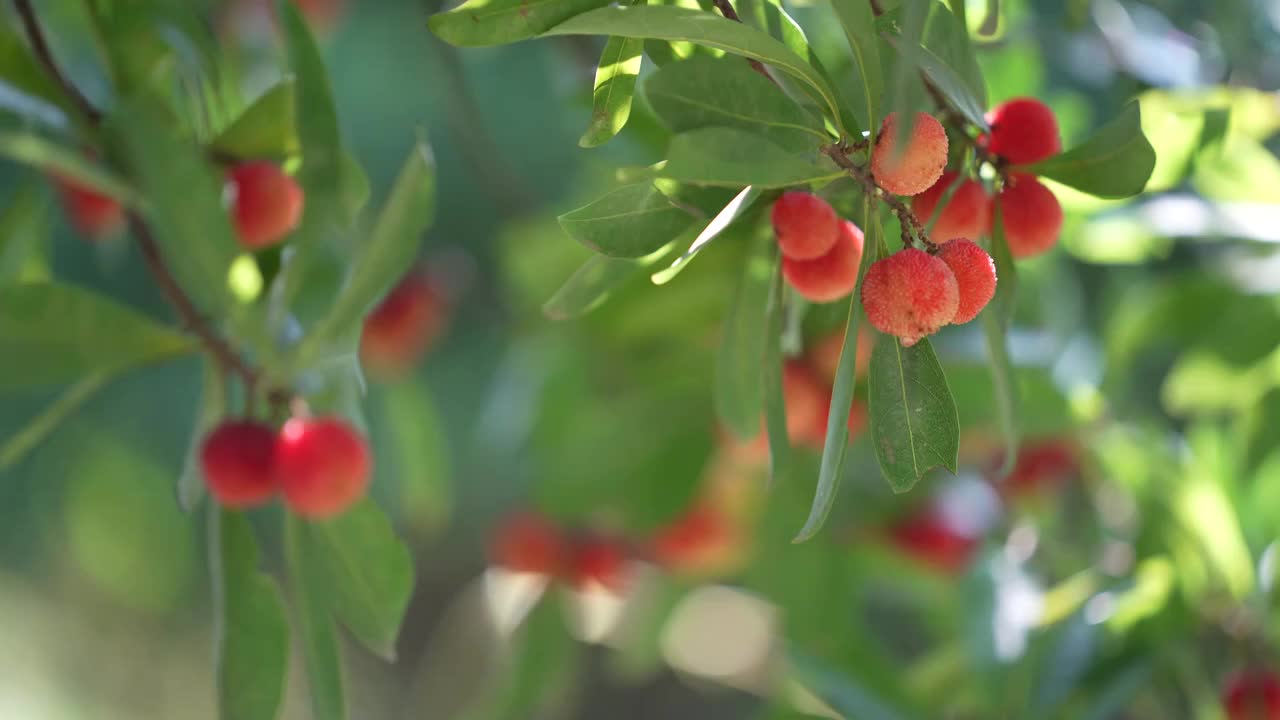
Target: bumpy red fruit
[
  {"x": 831, "y": 276},
  {"x": 323, "y": 466},
  {"x": 1252, "y": 695},
  {"x": 966, "y": 215},
  {"x": 1023, "y": 130},
  {"x": 917, "y": 166},
  {"x": 806, "y": 226},
  {"x": 910, "y": 294},
  {"x": 975, "y": 273},
  {"x": 402, "y": 327},
  {"x": 528, "y": 543},
  {"x": 1032, "y": 216},
  {"x": 702, "y": 540},
  {"x": 266, "y": 204},
  {"x": 238, "y": 461},
  {"x": 94, "y": 215},
  {"x": 598, "y": 562}
]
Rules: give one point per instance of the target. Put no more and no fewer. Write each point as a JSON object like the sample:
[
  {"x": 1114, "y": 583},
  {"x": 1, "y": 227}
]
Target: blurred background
[{"x": 1125, "y": 569}]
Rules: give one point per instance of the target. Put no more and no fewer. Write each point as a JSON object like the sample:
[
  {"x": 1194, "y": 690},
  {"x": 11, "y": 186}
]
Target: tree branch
[
  {"x": 911, "y": 225},
  {"x": 41, "y": 48},
  {"x": 726, "y": 8}
]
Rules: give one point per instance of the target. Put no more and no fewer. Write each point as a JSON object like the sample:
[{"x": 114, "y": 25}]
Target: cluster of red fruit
[{"x": 321, "y": 466}]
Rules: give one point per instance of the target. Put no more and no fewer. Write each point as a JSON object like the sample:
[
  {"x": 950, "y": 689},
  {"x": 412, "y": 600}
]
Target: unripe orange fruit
[
  {"x": 1023, "y": 130},
  {"x": 266, "y": 204},
  {"x": 323, "y": 465},
  {"x": 805, "y": 224},
  {"x": 1031, "y": 214},
  {"x": 402, "y": 327},
  {"x": 975, "y": 273},
  {"x": 238, "y": 462},
  {"x": 527, "y": 543},
  {"x": 909, "y": 170},
  {"x": 910, "y": 294},
  {"x": 831, "y": 276},
  {"x": 966, "y": 215},
  {"x": 1252, "y": 695},
  {"x": 94, "y": 215}
]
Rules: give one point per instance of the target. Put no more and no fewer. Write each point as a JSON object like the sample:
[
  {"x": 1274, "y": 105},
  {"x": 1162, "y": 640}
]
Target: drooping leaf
[
  {"x": 419, "y": 449},
  {"x": 319, "y": 636},
  {"x": 858, "y": 24},
  {"x": 914, "y": 424},
  {"x": 589, "y": 286},
  {"x": 904, "y": 89},
  {"x": 58, "y": 333},
  {"x": 996, "y": 320},
  {"x": 630, "y": 222},
  {"x": 55, "y": 158},
  {"x": 1115, "y": 162},
  {"x": 266, "y": 129},
  {"x": 477, "y": 23},
  {"x": 947, "y": 38},
  {"x": 19, "y": 444},
  {"x": 252, "y": 632},
  {"x": 614, "y": 88},
  {"x": 213, "y": 401},
  {"x": 23, "y": 231},
  {"x": 735, "y": 158},
  {"x": 739, "y": 396},
  {"x": 775, "y": 404},
  {"x": 739, "y": 206}
]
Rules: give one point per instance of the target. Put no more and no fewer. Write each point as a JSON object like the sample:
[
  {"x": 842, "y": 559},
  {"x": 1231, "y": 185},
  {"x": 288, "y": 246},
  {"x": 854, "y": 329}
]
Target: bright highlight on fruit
[
  {"x": 910, "y": 170},
  {"x": 323, "y": 466}
]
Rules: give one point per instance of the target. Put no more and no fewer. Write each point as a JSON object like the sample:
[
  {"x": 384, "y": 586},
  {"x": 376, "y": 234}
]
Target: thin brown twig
[
  {"x": 911, "y": 225},
  {"x": 40, "y": 47},
  {"x": 726, "y": 9}
]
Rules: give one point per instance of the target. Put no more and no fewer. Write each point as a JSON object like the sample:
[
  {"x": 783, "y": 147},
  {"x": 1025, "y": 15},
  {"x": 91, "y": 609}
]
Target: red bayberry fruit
[
  {"x": 1023, "y": 130},
  {"x": 402, "y": 327},
  {"x": 598, "y": 562},
  {"x": 1032, "y": 216},
  {"x": 700, "y": 541},
  {"x": 916, "y": 167},
  {"x": 238, "y": 461},
  {"x": 1252, "y": 695},
  {"x": 266, "y": 204},
  {"x": 975, "y": 273},
  {"x": 831, "y": 276},
  {"x": 910, "y": 294},
  {"x": 527, "y": 543},
  {"x": 323, "y": 466},
  {"x": 1041, "y": 463},
  {"x": 966, "y": 215},
  {"x": 94, "y": 215},
  {"x": 806, "y": 226},
  {"x": 925, "y": 536}
]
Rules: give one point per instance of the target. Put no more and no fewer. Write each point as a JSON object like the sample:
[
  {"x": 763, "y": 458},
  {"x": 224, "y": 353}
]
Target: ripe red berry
[
  {"x": 402, "y": 327},
  {"x": 598, "y": 562},
  {"x": 975, "y": 273},
  {"x": 831, "y": 276},
  {"x": 806, "y": 226},
  {"x": 527, "y": 543},
  {"x": 1023, "y": 130},
  {"x": 238, "y": 462},
  {"x": 266, "y": 204},
  {"x": 700, "y": 541},
  {"x": 916, "y": 167},
  {"x": 1032, "y": 216},
  {"x": 926, "y": 536},
  {"x": 94, "y": 215},
  {"x": 910, "y": 294},
  {"x": 1252, "y": 695},
  {"x": 967, "y": 214},
  {"x": 323, "y": 466}
]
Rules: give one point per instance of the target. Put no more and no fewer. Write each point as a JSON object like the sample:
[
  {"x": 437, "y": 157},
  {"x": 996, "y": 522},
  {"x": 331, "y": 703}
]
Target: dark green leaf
[
  {"x": 630, "y": 222},
  {"x": 58, "y": 333},
  {"x": 739, "y": 397},
  {"x": 914, "y": 424},
  {"x": 27, "y": 80},
  {"x": 734, "y": 158},
  {"x": 1115, "y": 162},
  {"x": 497, "y": 22},
  {"x": 589, "y": 286},
  {"x": 905, "y": 89},
  {"x": 996, "y": 319},
  {"x": 543, "y": 665},
  {"x": 735, "y": 209},
  {"x": 19, "y": 444},
  {"x": 311, "y": 594},
  {"x": 57, "y": 159},
  {"x": 23, "y": 231},
  {"x": 213, "y": 406},
  {"x": 947, "y": 38},
  {"x": 265, "y": 129},
  {"x": 615, "y": 85},
  {"x": 859, "y": 29},
  {"x": 775, "y": 403},
  {"x": 252, "y": 632},
  {"x": 419, "y": 451}
]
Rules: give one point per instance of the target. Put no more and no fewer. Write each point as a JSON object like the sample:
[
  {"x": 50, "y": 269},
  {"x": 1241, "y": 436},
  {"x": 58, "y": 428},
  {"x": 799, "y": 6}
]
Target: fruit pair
[
  {"x": 528, "y": 543},
  {"x": 320, "y": 465},
  {"x": 820, "y": 251},
  {"x": 913, "y": 293}
]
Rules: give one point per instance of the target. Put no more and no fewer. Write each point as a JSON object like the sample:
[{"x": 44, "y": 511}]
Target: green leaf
[
  {"x": 57, "y": 159},
  {"x": 213, "y": 406},
  {"x": 740, "y": 205},
  {"x": 837, "y": 439},
  {"x": 842, "y": 692},
  {"x": 18, "y": 445},
  {"x": 739, "y": 397},
  {"x": 265, "y": 129},
  {"x": 996, "y": 319},
  {"x": 947, "y": 38},
  {"x": 858, "y": 23},
  {"x": 702, "y": 28},
  {"x": 615, "y": 85},
  {"x": 775, "y": 403},
  {"x": 419, "y": 450},
  {"x": 705, "y": 91},
  {"x": 311, "y": 594},
  {"x": 251, "y": 630},
  {"x": 630, "y": 222},
  {"x": 948, "y": 82},
  {"x": 914, "y": 424},
  {"x": 27, "y": 81},
  {"x": 589, "y": 286},
  {"x": 1115, "y": 162},
  {"x": 58, "y": 333},
  {"x": 23, "y": 231},
  {"x": 477, "y": 23},
  {"x": 734, "y": 158}
]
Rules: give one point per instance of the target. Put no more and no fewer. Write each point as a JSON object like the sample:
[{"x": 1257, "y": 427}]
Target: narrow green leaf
[
  {"x": 837, "y": 440},
  {"x": 905, "y": 89},
  {"x": 478, "y": 23},
  {"x": 266, "y": 129},
  {"x": 23, "y": 231},
  {"x": 996, "y": 320},
  {"x": 58, "y": 333},
  {"x": 251, "y": 630},
  {"x": 734, "y": 158},
  {"x": 947, "y": 38},
  {"x": 630, "y": 222},
  {"x": 948, "y": 82},
  {"x": 740, "y": 205},
  {"x": 589, "y": 286},
  {"x": 842, "y": 692},
  {"x": 368, "y": 574},
  {"x": 26, "y": 77},
  {"x": 319, "y": 637},
  {"x": 614, "y": 88},
  {"x": 1115, "y": 162},
  {"x": 419, "y": 451},
  {"x": 775, "y": 404},
  {"x": 739, "y": 397},
  {"x": 18, "y": 445},
  {"x": 858, "y": 24},
  {"x": 56, "y": 159},
  {"x": 213, "y": 406},
  {"x": 914, "y": 423}
]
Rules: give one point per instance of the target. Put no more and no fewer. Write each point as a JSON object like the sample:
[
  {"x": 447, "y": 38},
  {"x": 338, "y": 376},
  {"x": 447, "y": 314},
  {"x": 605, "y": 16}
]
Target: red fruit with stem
[
  {"x": 805, "y": 225},
  {"x": 598, "y": 562},
  {"x": 966, "y": 215},
  {"x": 831, "y": 276},
  {"x": 926, "y": 536},
  {"x": 266, "y": 204},
  {"x": 238, "y": 462},
  {"x": 910, "y": 294},
  {"x": 909, "y": 170},
  {"x": 402, "y": 327},
  {"x": 1252, "y": 695},
  {"x": 528, "y": 543},
  {"x": 1023, "y": 130},
  {"x": 1031, "y": 214},
  {"x": 94, "y": 215},
  {"x": 975, "y": 273},
  {"x": 323, "y": 465},
  {"x": 702, "y": 540}
]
